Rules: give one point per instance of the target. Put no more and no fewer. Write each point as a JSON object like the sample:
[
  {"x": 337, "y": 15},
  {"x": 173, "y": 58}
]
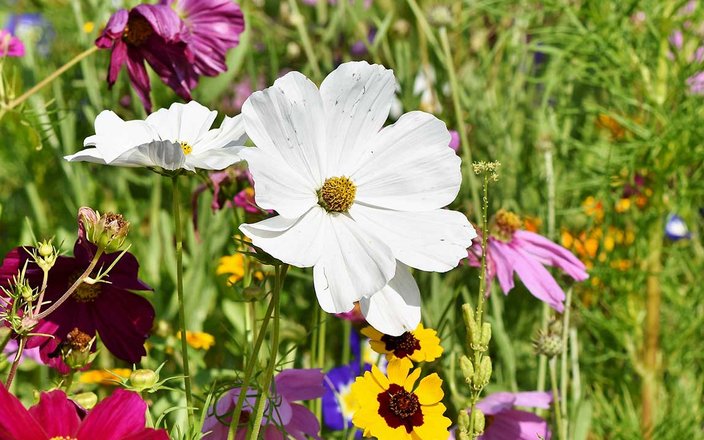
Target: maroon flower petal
[
  {"x": 303, "y": 423},
  {"x": 163, "y": 20},
  {"x": 124, "y": 321},
  {"x": 173, "y": 64},
  {"x": 114, "y": 29},
  {"x": 120, "y": 415},
  {"x": 118, "y": 57},
  {"x": 56, "y": 414},
  {"x": 15, "y": 421},
  {"x": 300, "y": 384},
  {"x": 139, "y": 78}
]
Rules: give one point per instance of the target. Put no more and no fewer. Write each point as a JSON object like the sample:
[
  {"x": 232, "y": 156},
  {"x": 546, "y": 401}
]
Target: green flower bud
[
  {"x": 143, "y": 379},
  {"x": 85, "y": 400},
  {"x": 467, "y": 368},
  {"x": 547, "y": 343},
  {"x": 45, "y": 248},
  {"x": 463, "y": 421},
  {"x": 24, "y": 291},
  {"x": 479, "y": 421},
  {"x": 107, "y": 231},
  {"x": 482, "y": 374},
  {"x": 486, "y": 335}
]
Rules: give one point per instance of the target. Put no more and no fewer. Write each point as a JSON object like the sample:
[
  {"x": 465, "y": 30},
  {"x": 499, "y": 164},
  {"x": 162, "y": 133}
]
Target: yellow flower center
[
  {"x": 187, "y": 149},
  {"x": 337, "y": 194},
  {"x": 137, "y": 31},
  {"x": 505, "y": 224},
  {"x": 84, "y": 292}
]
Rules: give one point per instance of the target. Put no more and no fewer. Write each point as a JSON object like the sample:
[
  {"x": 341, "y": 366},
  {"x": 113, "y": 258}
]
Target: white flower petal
[
  {"x": 114, "y": 136},
  {"x": 218, "y": 159},
  {"x": 277, "y": 186},
  {"x": 409, "y": 166},
  {"x": 298, "y": 242},
  {"x": 164, "y": 154},
  {"x": 430, "y": 240},
  {"x": 285, "y": 121},
  {"x": 229, "y": 134},
  {"x": 87, "y": 155},
  {"x": 395, "y": 308},
  {"x": 354, "y": 264},
  {"x": 357, "y": 98},
  {"x": 182, "y": 122}
]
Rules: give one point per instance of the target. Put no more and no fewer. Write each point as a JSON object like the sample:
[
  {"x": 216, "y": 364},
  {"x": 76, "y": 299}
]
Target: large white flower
[
  {"x": 175, "y": 138},
  {"x": 356, "y": 201}
]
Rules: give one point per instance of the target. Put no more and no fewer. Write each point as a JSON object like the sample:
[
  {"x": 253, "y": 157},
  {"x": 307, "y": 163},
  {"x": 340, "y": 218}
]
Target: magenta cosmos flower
[
  {"x": 151, "y": 33},
  {"x": 503, "y": 421},
  {"x": 122, "y": 319},
  {"x": 10, "y": 46},
  {"x": 212, "y": 27},
  {"x": 282, "y": 419},
  {"x": 526, "y": 253},
  {"x": 118, "y": 417}
]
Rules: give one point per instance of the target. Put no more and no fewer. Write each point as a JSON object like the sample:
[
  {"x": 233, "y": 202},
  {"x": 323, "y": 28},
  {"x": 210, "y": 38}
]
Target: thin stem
[
  {"x": 58, "y": 72},
  {"x": 485, "y": 238},
  {"x": 562, "y": 435},
  {"x": 249, "y": 368},
  {"x": 564, "y": 376},
  {"x": 181, "y": 307},
  {"x": 40, "y": 299},
  {"x": 305, "y": 38},
  {"x": 320, "y": 361},
  {"x": 461, "y": 126},
  {"x": 269, "y": 374},
  {"x": 74, "y": 286},
  {"x": 16, "y": 361}
]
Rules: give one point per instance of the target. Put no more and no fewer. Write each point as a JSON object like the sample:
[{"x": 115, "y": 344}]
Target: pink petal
[
  {"x": 15, "y": 421},
  {"x": 300, "y": 384},
  {"x": 552, "y": 254},
  {"x": 56, "y": 414},
  {"x": 115, "y": 418}
]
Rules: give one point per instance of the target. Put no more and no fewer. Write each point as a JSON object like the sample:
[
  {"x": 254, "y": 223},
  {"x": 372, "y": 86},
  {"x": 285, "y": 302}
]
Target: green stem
[
  {"x": 181, "y": 307},
  {"x": 249, "y": 369},
  {"x": 562, "y": 435},
  {"x": 461, "y": 126},
  {"x": 16, "y": 362},
  {"x": 564, "y": 376},
  {"x": 269, "y": 375},
  {"x": 305, "y": 38},
  {"x": 58, "y": 72},
  {"x": 485, "y": 238}
]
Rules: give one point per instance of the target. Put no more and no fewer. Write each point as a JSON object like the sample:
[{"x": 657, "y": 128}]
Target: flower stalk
[{"x": 187, "y": 378}]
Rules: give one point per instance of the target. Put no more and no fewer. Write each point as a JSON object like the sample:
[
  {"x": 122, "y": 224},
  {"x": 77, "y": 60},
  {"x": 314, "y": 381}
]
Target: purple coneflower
[
  {"x": 151, "y": 33},
  {"x": 503, "y": 421},
  {"x": 119, "y": 417},
  {"x": 213, "y": 27},
  {"x": 511, "y": 249},
  {"x": 282, "y": 414},
  {"x": 121, "y": 318}
]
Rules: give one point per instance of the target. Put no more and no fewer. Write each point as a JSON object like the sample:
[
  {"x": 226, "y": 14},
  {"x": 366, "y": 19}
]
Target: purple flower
[
  {"x": 338, "y": 403},
  {"x": 32, "y": 28},
  {"x": 151, "y": 33},
  {"x": 281, "y": 413},
  {"x": 28, "y": 353},
  {"x": 121, "y": 318},
  {"x": 10, "y": 46},
  {"x": 676, "y": 229},
  {"x": 213, "y": 27},
  {"x": 505, "y": 422},
  {"x": 526, "y": 253},
  {"x": 454, "y": 140},
  {"x": 696, "y": 83}
]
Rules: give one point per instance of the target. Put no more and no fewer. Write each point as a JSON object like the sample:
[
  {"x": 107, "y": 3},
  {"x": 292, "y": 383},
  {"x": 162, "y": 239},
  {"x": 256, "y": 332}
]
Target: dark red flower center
[
  {"x": 137, "y": 31},
  {"x": 398, "y": 407},
  {"x": 401, "y": 346},
  {"x": 84, "y": 292}
]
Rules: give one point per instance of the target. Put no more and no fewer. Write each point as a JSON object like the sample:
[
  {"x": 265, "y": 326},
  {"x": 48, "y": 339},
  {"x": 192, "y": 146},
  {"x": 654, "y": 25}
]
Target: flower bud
[
  {"x": 467, "y": 368},
  {"x": 482, "y": 374},
  {"x": 85, "y": 400},
  {"x": 76, "y": 349},
  {"x": 479, "y": 421},
  {"x": 107, "y": 231},
  {"x": 440, "y": 15},
  {"x": 46, "y": 255},
  {"x": 463, "y": 421},
  {"x": 547, "y": 343},
  {"x": 143, "y": 379}
]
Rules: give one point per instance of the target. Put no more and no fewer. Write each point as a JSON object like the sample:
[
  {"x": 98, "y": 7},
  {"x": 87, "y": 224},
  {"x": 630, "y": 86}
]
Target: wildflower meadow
[{"x": 342, "y": 219}]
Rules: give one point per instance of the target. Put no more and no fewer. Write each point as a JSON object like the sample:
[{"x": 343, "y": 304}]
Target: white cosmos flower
[
  {"x": 175, "y": 138},
  {"x": 356, "y": 201}
]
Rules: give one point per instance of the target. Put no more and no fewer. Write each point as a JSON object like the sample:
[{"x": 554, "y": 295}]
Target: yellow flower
[
  {"x": 104, "y": 377},
  {"x": 88, "y": 27},
  {"x": 420, "y": 345},
  {"x": 198, "y": 340},
  {"x": 234, "y": 266},
  {"x": 389, "y": 408}
]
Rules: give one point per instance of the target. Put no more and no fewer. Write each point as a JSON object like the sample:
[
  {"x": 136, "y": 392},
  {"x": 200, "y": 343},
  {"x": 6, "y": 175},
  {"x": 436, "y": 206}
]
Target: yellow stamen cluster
[
  {"x": 337, "y": 194},
  {"x": 84, "y": 292},
  {"x": 186, "y": 147},
  {"x": 505, "y": 224}
]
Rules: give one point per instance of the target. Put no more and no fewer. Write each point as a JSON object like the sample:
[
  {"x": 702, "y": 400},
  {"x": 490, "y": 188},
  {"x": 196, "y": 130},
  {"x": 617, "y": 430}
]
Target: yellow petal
[
  {"x": 398, "y": 370},
  {"x": 379, "y": 377},
  {"x": 411, "y": 380},
  {"x": 372, "y": 333},
  {"x": 430, "y": 391}
]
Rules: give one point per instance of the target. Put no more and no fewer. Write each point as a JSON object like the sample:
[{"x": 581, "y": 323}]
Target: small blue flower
[{"x": 676, "y": 229}]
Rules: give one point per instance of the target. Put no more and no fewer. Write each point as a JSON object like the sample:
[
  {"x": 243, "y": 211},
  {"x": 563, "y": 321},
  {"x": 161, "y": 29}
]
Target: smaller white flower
[{"x": 175, "y": 138}]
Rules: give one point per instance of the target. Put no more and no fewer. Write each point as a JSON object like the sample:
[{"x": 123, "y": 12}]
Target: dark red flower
[
  {"x": 118, "y": 417},
  {"x": 151, "y": 33},
  {"x": 122, "y": 319}
]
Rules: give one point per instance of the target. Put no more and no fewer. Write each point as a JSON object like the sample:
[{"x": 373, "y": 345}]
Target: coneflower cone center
[
  {"x": 337, "y": 194},
  {"x": 505, "y": 224},
  {"x": 401, "y": 346},
  {"x": 137, "y": 31}
]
